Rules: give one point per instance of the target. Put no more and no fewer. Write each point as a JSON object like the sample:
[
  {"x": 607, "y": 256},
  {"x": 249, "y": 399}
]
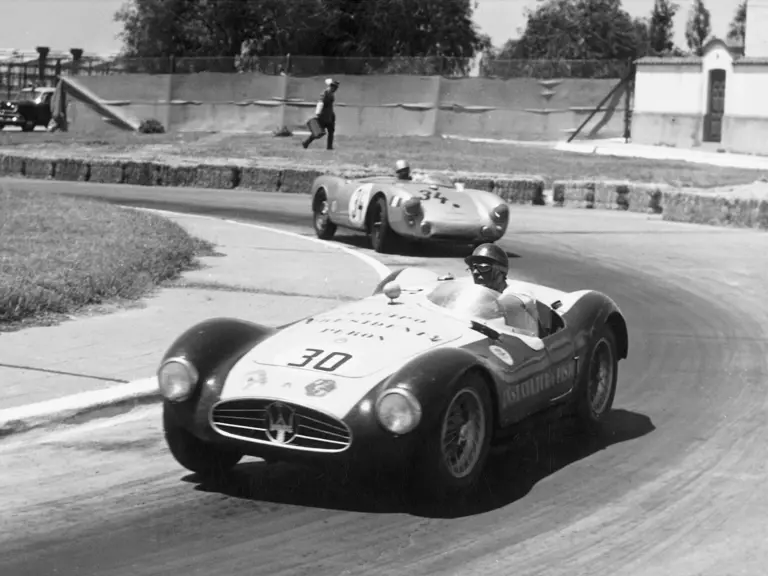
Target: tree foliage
[
  {"x": 738, "y": 27},
  {"x": 580, "y": 29},
  {"x": 698, "y": 28},
  {"x": 328, "y": 28},
  {"x": 661, "y": 27}
]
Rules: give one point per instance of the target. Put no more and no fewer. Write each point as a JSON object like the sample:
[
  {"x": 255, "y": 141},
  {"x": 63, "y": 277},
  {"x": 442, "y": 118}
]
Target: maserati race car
[
  {"x": 386, "y": 208},
  {"x": 423, "y": 376}
]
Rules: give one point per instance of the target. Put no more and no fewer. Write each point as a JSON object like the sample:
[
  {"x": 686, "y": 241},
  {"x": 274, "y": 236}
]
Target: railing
[{"x": 15, "y": 74}]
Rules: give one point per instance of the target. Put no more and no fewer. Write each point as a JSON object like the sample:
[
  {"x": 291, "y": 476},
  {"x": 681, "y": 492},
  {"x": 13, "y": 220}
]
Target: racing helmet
[
  {"x": 489, "y": 253},
  {"x": 402, "y": 169}
]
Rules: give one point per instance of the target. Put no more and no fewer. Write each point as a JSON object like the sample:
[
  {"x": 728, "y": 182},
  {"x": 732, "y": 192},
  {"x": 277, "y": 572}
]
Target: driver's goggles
[{"x": 482, "y": 268}]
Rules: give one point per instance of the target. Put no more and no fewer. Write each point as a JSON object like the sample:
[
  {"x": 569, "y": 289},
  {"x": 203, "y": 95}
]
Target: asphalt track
[{"x": 677, "y": 488}]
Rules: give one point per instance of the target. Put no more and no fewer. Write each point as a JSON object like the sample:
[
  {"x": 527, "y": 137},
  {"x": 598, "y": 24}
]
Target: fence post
[
  {"x": 629, "y": 101},
  {"x": 77, "y": 55},
  {"x": 172, "y": 64},
  {"x": 42, "y": 52}
]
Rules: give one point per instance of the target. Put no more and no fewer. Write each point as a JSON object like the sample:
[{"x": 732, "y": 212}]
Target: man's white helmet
[{"x": 401, "y": 165}]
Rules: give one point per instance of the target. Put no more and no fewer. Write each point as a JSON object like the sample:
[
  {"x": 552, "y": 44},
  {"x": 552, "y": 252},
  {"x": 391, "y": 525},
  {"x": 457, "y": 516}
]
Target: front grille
[{"x": 281, "y": 424}]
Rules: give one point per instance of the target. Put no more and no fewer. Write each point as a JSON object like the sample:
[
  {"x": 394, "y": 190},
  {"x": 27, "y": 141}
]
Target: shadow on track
[
  {"x": 414, "y": 249},
  {"x": 509, "y": 475}
]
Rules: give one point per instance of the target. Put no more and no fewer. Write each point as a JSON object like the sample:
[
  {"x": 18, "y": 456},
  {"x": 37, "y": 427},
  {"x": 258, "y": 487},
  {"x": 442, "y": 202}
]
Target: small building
[
  {"x": 711, "y": 101},
  {"x": 718, "y": 101}
]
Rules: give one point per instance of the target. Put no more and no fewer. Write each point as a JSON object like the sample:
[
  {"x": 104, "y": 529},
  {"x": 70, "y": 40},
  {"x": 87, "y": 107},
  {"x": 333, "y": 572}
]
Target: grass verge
[
  {"x": 382, "y": 152},
  {"x": 59, "y": 254}
]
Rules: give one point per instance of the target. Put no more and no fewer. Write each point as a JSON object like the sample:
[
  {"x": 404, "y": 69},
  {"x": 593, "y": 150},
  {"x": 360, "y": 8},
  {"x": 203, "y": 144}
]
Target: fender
[
  {"x": 586, "y": 316},
  {"x": 429, "y": 375},
  {"x": 212, "y": 347}
]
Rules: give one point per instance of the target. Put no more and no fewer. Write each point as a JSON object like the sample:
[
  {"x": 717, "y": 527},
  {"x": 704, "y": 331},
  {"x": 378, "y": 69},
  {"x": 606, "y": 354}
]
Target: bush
[
  {"x": 58, "y": 254},
  {"x": 283, "y": 132},
  {"x": 151, "y": 126}
]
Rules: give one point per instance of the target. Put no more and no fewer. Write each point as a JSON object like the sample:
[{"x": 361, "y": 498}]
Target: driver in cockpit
[{"x": 489, "y": 265}]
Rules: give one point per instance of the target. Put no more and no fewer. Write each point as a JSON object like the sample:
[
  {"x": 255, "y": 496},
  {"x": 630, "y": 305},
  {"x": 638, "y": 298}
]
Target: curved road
[{"x": 678, "y": 488}]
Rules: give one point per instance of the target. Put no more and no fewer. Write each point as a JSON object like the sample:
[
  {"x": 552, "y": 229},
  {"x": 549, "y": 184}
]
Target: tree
[
  {"x": 738, "y": 26},
  {"x": 661, "y": 27},
  {"x": 698, "y": 27},
  {"x": 593, "y": 30},
  {"x": 329, "y": 28}
]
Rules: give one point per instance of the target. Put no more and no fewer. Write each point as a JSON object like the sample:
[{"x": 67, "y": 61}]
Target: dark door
[{"x": 713, "y": 122}]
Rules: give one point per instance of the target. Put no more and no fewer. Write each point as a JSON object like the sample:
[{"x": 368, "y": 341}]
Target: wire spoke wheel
[
  {"x": 601, "y": 377},
  {"x": 463, "y": 433}
]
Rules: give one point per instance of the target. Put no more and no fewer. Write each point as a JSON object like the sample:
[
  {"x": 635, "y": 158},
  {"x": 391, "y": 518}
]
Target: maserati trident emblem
[{"x": 281, "y": 423}]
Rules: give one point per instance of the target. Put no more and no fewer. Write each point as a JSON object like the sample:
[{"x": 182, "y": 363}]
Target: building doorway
[{"x": 713, "y": 121}]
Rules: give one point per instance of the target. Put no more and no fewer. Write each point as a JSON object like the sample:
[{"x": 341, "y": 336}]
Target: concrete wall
[
  {"x": 524, "y": 109},
  {"x": 668, "y": 105}
]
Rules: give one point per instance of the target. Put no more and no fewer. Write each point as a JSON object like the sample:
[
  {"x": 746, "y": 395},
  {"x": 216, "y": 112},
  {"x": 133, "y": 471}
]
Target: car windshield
[
  {"x": 29, "y": 95},
  {"x": 474, "y": 302},
  {"x": 467, "y": 300},
  {"x": 438, "y": 179}
]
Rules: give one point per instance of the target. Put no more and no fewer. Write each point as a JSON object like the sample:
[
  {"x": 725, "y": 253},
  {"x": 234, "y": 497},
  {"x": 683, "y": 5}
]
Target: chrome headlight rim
[
  {"x": 412, "y": 402},
  {"x": 192, "y": 373}
]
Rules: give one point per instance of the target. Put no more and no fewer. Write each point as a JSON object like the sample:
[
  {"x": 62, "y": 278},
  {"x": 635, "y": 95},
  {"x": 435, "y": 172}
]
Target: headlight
[
  {"x": 398, "y": 411},
  {"x": 177, "y": 379},
  {"x": 412, "y": 207},
  {"x": 500, "y": 214}
]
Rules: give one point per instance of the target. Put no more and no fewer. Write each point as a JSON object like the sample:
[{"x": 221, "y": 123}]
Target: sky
[{"x": 89, "y": 24}]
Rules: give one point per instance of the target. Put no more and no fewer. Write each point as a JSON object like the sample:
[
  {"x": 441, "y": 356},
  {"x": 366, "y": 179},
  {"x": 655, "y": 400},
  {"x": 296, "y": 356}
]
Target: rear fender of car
[
  {"x": 589, "y": 313},
  {"x": 212, "y": 347},
  {"x": 429, "y": 377}
]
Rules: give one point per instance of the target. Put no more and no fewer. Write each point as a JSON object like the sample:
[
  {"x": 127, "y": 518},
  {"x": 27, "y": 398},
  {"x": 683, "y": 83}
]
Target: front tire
[
  {"x": 29, "y": 126},
  {"x": 324, "y": 228},
  {"x": 597, "y": 390},
  {"x": 382, "y": 235},
  {"x": 453, "y": 456},
  {"x": 203, "y": 458}
]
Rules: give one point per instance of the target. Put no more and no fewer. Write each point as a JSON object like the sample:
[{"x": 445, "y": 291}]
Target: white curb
[{"x": 22, "y": 418}]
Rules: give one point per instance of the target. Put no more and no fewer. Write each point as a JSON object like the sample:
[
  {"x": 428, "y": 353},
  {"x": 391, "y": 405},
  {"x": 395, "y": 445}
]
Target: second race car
[{"x": 387, "y": 208}]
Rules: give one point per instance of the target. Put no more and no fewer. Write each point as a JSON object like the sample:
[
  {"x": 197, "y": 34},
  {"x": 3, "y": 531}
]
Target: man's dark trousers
[{"x": 330, "y": 127}]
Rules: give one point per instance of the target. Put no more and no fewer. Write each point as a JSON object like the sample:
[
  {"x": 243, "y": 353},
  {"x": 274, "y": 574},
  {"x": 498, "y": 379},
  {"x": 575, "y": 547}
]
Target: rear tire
[
  {"x": 203, "y": 458},
  {"x": 596, "y": 391},
  {"x": 324, "y": 228},
  {"x": 383, "y": 238},
  {"x": 454, "y": 452}
]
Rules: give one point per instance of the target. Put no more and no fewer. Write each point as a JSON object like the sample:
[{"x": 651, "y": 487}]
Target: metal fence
[{"x": 15, "y": 74}]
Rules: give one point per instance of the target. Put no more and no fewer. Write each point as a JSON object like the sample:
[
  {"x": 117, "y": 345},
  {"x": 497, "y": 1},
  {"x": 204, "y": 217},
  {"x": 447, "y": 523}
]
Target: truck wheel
[
  {"x": 203, "y": 458},
  {"x": 28, "y": 126}
]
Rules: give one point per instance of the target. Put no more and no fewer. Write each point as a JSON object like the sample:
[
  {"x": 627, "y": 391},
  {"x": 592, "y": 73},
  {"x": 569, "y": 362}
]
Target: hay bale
[
  {"x": 716, "y": 210},
  {"x": 645, "y": 198},
  {"x": 138, "y": 173},
  {"x": 259, "y": 179},
  {"x": 39, "y": 168},
  {"x": 298, "y": 181},
  {"x": 106, "y": 171},
  {"x": 520, "y": 189},
  {"x": 12, "y": 165},
  {"x": 622, "y": 196},
  {"x": 72, "y": 170},
  {"x": 176, "y": 176},
  {"x": 222, "y": 177}
]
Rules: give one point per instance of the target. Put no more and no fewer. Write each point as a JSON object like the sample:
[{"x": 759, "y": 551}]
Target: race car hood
[
  {"x": 331, "y": 361},
  {"x": 443, "y": 203}
]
